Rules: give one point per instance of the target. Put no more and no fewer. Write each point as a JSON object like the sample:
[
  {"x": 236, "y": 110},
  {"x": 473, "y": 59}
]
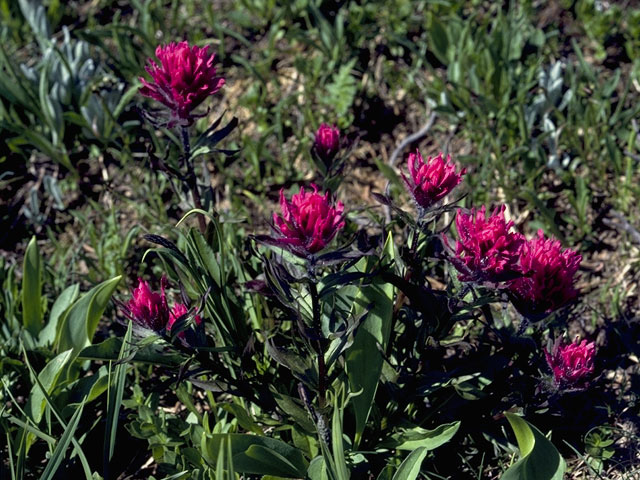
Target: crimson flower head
[
  {"x": 572, "y": 362},
  {"x": 327, "y": 142},
  {"x": 148, "y": 309},
  {"x": 549, "y": 277},
  {"x": 178, "y": 311},
  {"x": 308, "y": 222},
  {"x": 432, "y": 180},
  {"x": 184, "y": 78},
  {"x": 487, "y": 249}
]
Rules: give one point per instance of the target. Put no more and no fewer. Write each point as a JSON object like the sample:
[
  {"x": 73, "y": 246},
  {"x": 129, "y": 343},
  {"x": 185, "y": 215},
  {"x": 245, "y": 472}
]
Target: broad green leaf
[
  {"x": 88, "y": 388},
  {"x": 293, "y": 408},
  {"x": 363, "y": 358},
  {"x": 60, "y": 306},
  {"x": 32, "y": 289},
  {"x": 410, "y": 439},
  {"x": 317, "y": 469},
  {"x": 539, "y": 459},
  {"x": 80, "y": 322},
  {"x": 256, "y": 454},
  {"x": 438, "y": 39},
  {"x": 48, "y": 378},
  {"x": 263, "y": 460},
  {"x": 386, "y": 473},
  {"x": 410, "y": 468}
]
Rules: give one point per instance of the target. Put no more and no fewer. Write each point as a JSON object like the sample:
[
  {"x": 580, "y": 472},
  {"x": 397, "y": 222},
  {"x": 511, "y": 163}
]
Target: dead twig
[{"x": 622, "y": 225}]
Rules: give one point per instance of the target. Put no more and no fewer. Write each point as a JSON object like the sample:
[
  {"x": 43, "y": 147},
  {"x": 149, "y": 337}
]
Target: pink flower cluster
[
  {"x": 149, "y": 310},
  {"x": 183, "y": 80},
  {"x": 327, "y": 142},
  {"x": 487, "y": 248},
  {"x": 539, "y": 275},
  {"x": 548, "y": 281},
  {"x": 308, "y": 222},
  {"x": 571, "y": 363},
  {"x": 432, "y": 180}
]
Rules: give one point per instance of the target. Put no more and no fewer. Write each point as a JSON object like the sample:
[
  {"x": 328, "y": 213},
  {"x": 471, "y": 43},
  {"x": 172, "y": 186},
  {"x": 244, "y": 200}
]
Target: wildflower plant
[
  {"x": 184, "y": 78},
  {"x": 310, "y": 325},
  {"x": 326, "y": 143},
  {"x": 308, "y": 222},
  {"x": 329, "y": 153},
  {"x": 299, "y": 323},
  {"x": 312, "y": 337}
]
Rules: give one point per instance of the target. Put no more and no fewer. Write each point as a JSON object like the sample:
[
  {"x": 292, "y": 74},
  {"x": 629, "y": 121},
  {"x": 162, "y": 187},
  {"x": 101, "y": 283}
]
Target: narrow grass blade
[
  {"x": 114, "y": 401},
  {"x": 52, "y": 407},
  {"x": 63, "y": 444}
]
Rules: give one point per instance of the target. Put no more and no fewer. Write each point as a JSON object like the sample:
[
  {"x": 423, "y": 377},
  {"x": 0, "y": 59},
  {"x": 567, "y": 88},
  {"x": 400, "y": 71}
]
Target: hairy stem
[
  {"x": 317, "y": 326},
  {"x": 192, "y": 179}
]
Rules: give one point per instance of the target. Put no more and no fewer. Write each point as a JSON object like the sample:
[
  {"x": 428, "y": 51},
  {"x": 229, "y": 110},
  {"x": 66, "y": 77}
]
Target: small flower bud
[{"x": 327, "y": 143}]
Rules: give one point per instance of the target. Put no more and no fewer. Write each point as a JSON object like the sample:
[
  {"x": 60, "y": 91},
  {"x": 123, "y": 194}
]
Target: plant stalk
[
  {"x": 317, "y": 326},
  {"x": 192, "y": 179}
]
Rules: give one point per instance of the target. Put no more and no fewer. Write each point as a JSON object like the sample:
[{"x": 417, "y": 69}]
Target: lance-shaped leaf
[
  {"x": 32, "y": 289},
  {"x": 410, "y": 439},
  {"x": 364, "y": 359}
]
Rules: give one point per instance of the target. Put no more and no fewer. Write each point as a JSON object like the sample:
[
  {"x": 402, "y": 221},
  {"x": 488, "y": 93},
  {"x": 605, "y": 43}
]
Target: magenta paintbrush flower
[
  {"x": 178, "y": 311},
  {"x": 487, "y": 249},
  {"x": 308, "y": 222},
  {"x": 184, "y": 78},
  {"x": 549, "y": 277},
  {"x": 148, "y": 309},
  {"x": 571, "y": 363},
  {"x": 327, "y": 142},
  {"x": 432, "y": 180}
]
